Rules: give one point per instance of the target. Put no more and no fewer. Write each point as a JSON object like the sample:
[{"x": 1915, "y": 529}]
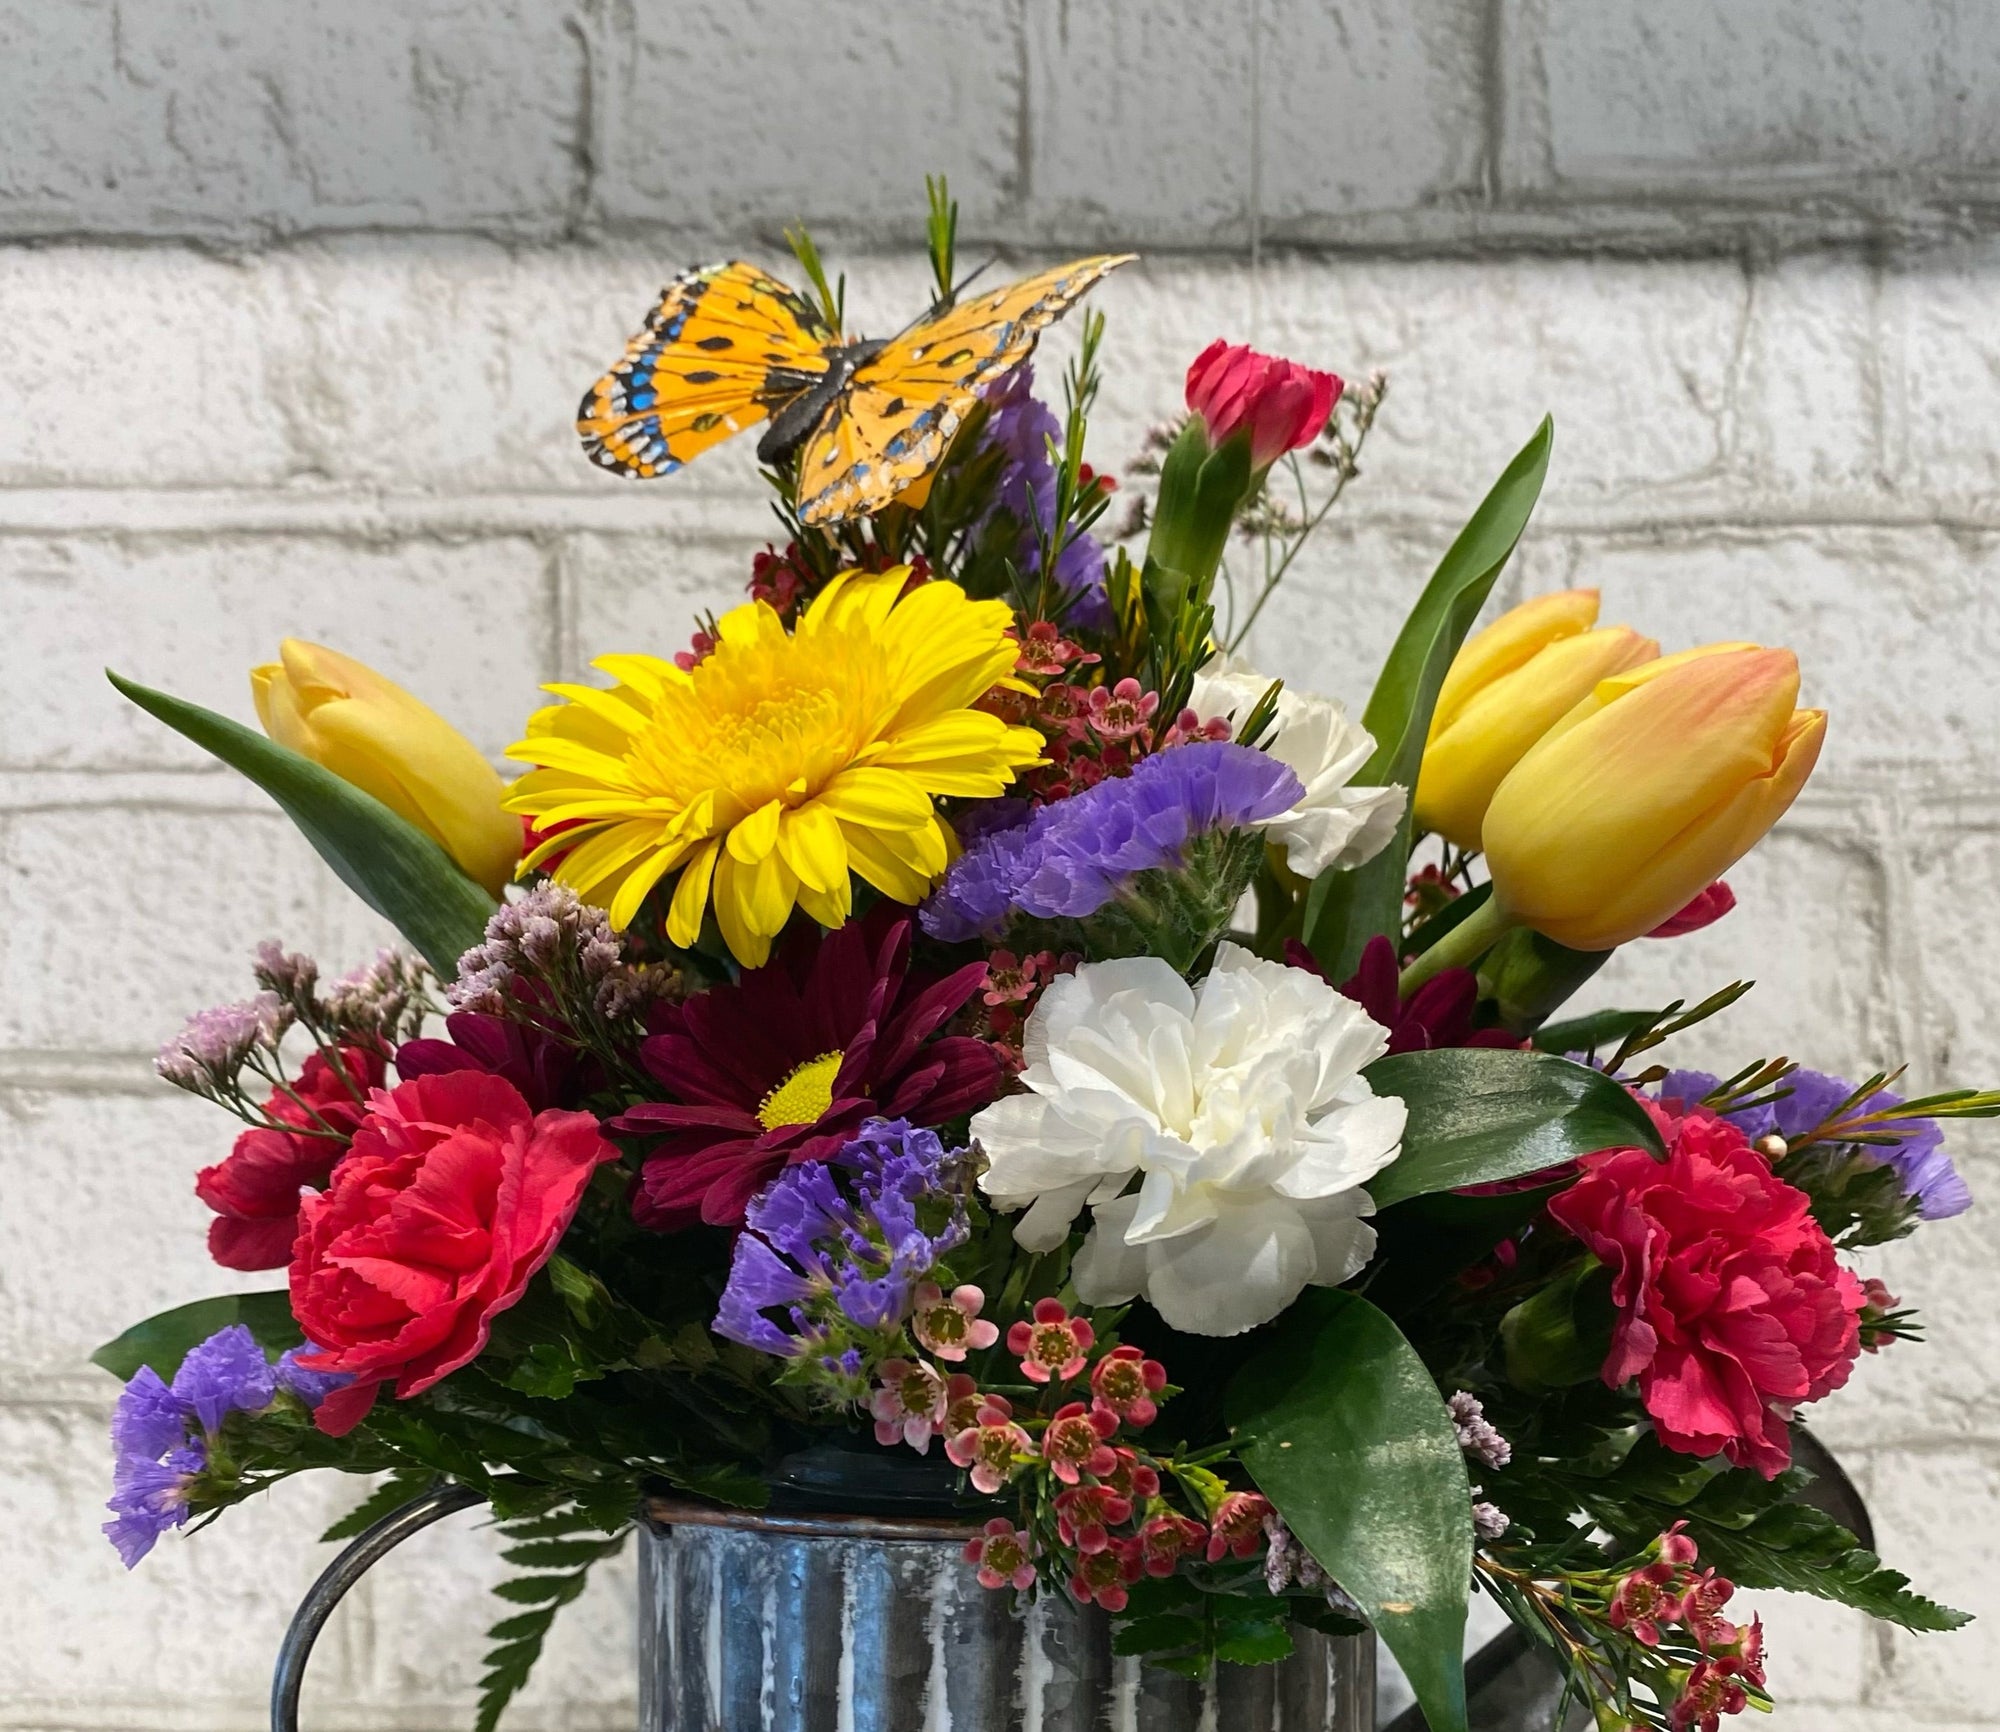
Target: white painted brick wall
[{"x": 296, "y": 302}]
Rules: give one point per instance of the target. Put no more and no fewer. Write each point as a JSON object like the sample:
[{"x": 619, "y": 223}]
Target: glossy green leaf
[
  {"x": 1346, "y": 909},
  {"x": 1343, "y": 1429},
  {"x": 1482, "y": 1114},
  {"x": 383, "y": 858},
  {"x": 164, "y": 1341}
]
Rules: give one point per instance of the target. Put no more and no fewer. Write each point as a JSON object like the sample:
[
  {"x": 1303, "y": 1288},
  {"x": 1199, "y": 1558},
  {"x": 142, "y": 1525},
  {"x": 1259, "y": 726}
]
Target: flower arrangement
[{"x": 957, "y": 1011}]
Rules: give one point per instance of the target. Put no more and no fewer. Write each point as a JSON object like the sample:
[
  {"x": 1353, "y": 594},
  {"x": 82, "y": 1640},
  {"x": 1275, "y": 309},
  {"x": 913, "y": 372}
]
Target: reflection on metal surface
[{"x": 856, "y": 1624}]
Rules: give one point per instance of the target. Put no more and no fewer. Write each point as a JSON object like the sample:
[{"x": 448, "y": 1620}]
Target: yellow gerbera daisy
[{"x": 781, "y": 762}]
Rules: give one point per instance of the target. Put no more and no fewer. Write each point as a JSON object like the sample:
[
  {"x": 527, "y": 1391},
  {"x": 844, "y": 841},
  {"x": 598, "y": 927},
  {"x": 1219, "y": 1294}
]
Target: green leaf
[
  {"x": 1797, "y": 1547},
  {"x": 1482, "y": 1114},
  {"x": 385, "y": 1499},
  {"x": 1340, "y": 1425},
  {"x": 1561, "y": 1334},
  {"x": 1345, "y": 909},
  {"x": 165, "y": 1340},
  {"x": 383, "y": 858},
  {"x": 1588, "y": 1033}
]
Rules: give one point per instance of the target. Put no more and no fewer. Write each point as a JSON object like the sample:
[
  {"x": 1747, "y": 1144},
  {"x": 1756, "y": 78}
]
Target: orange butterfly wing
[
  {"x": 896, "y": 418},
  {"x": 726, "y": 345}
]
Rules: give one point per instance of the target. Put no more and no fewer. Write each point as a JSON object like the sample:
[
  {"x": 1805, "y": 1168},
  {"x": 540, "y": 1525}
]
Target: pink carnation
[{"x": 1732, "y": 1308}]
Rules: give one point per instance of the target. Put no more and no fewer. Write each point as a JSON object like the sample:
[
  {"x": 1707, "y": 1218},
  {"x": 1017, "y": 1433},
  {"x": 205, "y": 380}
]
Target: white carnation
[
  {"x": 1239, "y": 1107},
  {"x": 1333, "y": 824}
]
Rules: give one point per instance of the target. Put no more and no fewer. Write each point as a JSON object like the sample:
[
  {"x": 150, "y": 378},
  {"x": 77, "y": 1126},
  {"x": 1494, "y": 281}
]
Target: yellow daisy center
[
  {"x": 781, "y": 763},
  {"x": 803, "y": 1096}
]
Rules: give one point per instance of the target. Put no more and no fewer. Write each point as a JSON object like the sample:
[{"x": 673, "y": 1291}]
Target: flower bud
[
  {"x": 1507, "y": 687},
  {"x": 1647, "y": 791},
  {"x": 368, "y": 731},
  {"x": 1280, "y": 404}
]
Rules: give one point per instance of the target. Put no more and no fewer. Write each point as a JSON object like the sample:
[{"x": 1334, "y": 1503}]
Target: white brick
[
  {"x": 150, "y": 367},
  {"x": 1629, "y": 359},
  {"x": 124, "y": 1164},
  {"x": 421, "y": 1635},
  {"x": 193, "y": 1629},
  {"x": 1893, "y": 628},
  {"x": 207, "y": 116},
  {"x": 120, "y": 923},
  {"x": 1928, "y": 1507},
  {"x": 1366, "y": 108},
  {"x": 1809, "y": 398},
  {"x": 1713, "y": 94},
  {"x": 467, "y": 626},
  {"x": 1160, "y": 150},
  {"x": 1939, "y": 318},
  {"x": 744, "y": 119}
]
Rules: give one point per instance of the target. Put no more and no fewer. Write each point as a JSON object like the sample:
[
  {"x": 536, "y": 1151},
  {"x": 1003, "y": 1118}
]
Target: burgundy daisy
[{"x": 784, "y": 1065}]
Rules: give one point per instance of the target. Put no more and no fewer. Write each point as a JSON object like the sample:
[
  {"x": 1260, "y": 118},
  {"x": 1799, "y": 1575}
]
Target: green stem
[{"x": 1461, "y": 947}]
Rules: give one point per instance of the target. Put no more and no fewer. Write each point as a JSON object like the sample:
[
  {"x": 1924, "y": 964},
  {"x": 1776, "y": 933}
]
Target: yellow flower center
[{"x": 804, "y": 1095}]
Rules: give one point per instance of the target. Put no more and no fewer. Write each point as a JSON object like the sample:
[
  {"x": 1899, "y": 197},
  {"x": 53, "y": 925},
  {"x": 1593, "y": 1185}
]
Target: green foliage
[
  {"x": 383, "y": 858},
  {"x": 555, "y": 1550},
  {"x": 163, "y": 1341},
  {"x": 1561, "y": 1333},
  {"x": 1341, "y": 1426},
  {"x": 1347, "y": 908},
  {"x": 388, "y": 1497},
  {"x": 1480, "y": 1115},
  {"x": 1792, "y": 1545},
  {"x": 1527, "y": 976},
  {"x": 1187, "y": 1622}
]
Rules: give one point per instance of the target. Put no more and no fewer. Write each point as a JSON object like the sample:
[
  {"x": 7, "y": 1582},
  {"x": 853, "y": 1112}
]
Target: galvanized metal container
[{"x": 812, "y": 1623}]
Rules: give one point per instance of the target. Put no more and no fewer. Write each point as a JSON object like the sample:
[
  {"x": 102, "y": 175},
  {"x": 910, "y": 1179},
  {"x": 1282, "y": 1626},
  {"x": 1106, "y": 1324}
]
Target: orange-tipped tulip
[
  {"x": 367, "y": 730},
  {"x": 1647, "y": 791},
  {"x": 1507, "y": 687}
]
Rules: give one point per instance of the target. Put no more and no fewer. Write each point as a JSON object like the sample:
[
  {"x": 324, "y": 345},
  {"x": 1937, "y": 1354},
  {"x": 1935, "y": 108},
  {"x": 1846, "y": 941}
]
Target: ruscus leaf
[
  {"x": 163, "y": 1341},
  {"x": 1341, "y": 1426},
  {"x": 1479, "y": 1115},
  {"x": 1345, "y": 909}
]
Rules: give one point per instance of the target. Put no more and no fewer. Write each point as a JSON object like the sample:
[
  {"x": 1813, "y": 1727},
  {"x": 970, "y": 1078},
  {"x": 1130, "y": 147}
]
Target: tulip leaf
[
  {"x": 1479, "y": 1115},
  {"x": 1344, "y": 909},
  {"x": 1343, "y": 1429},
  {"x": 381, "y": 856},
  {"x": 165, "y": 1340}
]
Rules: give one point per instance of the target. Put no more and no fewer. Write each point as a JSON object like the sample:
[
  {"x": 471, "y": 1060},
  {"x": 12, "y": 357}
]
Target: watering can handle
[{"x": 340, "y": 1575}]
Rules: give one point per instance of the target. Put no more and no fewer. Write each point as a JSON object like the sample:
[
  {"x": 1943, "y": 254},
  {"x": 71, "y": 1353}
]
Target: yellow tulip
[
  {"x": 1507, "y": 687},
  {"x": 1647, "y": 791},
  {"x": 368, "y": 731}
]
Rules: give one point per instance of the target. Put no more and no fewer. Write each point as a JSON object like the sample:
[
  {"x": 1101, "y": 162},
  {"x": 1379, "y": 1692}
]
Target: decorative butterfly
[{"x": 729, "y": 345}]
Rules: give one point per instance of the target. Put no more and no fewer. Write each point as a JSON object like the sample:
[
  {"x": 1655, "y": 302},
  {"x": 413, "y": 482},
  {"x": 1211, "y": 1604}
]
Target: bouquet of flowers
[{"x": 955, "y": 1012}]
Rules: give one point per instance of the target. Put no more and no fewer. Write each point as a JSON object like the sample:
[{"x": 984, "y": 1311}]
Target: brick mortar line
[
  {"x": 740, "y": 515},
  {"x": 1670, "y": 221}
]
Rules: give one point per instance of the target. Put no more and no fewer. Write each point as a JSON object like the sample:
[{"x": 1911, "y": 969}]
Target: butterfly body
[
  {"x": 793, "y": 421},
  {"x": 729, "y": 345}
]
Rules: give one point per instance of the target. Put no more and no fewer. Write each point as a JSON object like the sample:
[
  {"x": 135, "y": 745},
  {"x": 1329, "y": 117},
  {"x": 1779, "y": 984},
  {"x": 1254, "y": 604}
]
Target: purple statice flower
[
  {"x": 1925, "y": 1171},
  {"x": 150, "y": 1497},
  {"x": 160, "y": 1432},
  {"x": 213, "y": 1044},
  {"x": 1022, "y": 426},
  {"x": 1072, "y": 857},
  {"x": 842, "y": 1245},
  {"x": 311, "y": 1387},
  {"x": 226, "y": 1374}
]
